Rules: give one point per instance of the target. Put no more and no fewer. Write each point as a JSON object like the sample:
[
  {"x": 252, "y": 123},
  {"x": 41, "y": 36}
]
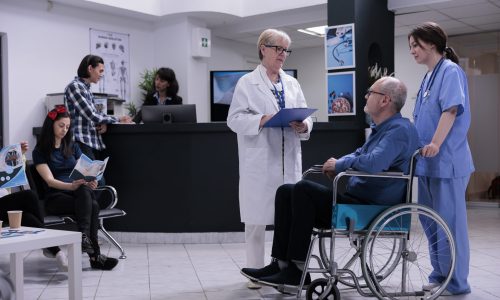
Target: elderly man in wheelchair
[{"x": 301, "y": 207}]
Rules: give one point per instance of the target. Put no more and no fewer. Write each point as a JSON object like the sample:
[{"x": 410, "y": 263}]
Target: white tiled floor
[{"x": 211, "y": 271}]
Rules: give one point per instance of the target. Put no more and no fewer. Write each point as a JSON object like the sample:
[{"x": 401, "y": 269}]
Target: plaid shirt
[{"x": 84, "y": 116}]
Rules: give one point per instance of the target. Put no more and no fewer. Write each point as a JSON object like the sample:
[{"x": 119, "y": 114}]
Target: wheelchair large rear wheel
[
  {"x": 318, "y": 287},
  {"x": 427, "y": 244},
  {"x": 348, "y": 257}
]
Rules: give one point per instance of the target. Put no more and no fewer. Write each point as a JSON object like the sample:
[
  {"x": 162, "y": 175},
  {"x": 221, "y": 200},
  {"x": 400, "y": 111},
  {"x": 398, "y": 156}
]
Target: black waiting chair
[{"x": 108, "y": 198}]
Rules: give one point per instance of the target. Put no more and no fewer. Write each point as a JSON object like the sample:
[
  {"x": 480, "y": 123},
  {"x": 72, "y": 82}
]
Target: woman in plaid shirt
[{"x": 87, "y": 122}]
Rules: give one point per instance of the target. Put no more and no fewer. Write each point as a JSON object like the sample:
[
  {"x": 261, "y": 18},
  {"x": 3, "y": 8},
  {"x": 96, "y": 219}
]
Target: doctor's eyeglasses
[{"x": 280, "y": 49}]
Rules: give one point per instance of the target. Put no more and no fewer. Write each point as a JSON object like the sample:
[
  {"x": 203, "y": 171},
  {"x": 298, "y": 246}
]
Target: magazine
[
  {"x": 88, "y": 169},
  {"x": 12, "y": 169}
]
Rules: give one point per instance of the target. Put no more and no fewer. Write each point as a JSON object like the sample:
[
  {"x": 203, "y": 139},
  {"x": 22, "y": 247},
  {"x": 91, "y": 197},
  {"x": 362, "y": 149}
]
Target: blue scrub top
[{"x": 449, "y": 89}]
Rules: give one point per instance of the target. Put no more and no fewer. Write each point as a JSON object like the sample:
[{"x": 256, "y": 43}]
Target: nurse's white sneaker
[
  {"x": 430, "y": 286},
  {"x": 62, "y": 261},
  {"x": 253, "y": 285},
  {"x": 444, "y": 293}
]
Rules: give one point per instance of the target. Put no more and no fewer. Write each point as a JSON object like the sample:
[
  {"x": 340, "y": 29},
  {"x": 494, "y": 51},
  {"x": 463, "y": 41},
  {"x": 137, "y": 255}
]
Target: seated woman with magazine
[
  {"x": 55, "y": 156},
  {"x": 28, "y": 202}
]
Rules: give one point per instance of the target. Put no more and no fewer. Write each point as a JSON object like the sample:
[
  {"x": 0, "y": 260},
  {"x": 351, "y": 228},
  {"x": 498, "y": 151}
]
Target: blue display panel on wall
[{"x": 222, "y": 84}]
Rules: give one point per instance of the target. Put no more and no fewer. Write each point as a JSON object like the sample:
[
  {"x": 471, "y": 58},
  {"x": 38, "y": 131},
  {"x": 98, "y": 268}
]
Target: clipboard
[{"x": 287, "y": 115}]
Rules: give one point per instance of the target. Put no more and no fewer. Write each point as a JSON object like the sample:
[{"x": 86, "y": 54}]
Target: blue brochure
[
  {"x": 287, "y": 115},
  {"x": 12, "y": 170}
]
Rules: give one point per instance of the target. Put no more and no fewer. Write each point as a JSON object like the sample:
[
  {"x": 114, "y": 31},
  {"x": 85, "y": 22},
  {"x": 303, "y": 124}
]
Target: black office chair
[{"x": 107, "y": 199}]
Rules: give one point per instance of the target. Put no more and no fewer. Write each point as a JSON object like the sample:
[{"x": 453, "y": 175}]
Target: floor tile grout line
[
  {"x": 149, "y": 271},
  {"x": 195, "y": 271}
]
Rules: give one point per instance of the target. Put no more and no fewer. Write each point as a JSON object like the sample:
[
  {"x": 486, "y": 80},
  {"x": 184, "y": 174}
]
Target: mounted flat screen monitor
[
  {"x": 182, "y": 113},
  {"x": 222, "y": 84}
]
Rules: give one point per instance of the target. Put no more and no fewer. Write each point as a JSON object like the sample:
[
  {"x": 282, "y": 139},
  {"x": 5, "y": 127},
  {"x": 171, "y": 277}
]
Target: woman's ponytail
[{"x": 450, "y": 54}]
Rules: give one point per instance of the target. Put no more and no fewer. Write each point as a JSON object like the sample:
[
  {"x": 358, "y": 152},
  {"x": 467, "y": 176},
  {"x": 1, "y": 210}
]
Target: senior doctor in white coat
[{"x": 268, "y": 157}]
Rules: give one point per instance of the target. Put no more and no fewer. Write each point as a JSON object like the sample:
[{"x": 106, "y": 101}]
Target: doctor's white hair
[
  {"x": 271, "y": 37},
  {"x": 395, "y": 89}
]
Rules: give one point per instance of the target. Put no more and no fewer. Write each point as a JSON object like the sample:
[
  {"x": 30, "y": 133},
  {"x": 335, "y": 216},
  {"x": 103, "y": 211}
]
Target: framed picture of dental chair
[
  {"x": 341, "y": 99},
  {"x": 339, "y": 47}
]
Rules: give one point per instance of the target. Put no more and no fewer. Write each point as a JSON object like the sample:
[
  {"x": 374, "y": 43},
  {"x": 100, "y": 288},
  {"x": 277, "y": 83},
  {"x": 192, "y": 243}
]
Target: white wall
[
  {"x": 408, "y": 71},
  {"x": 43, "y": 51},
  {"x": 231, "y": 55},
  {"x": 310, "y": 63}
]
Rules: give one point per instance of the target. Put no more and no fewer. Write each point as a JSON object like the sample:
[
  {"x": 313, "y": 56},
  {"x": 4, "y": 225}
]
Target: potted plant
[{"x": 147, "y": 85}]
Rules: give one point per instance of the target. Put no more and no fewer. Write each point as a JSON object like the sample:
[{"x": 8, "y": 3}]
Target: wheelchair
[{"x": 381, "y": 251}]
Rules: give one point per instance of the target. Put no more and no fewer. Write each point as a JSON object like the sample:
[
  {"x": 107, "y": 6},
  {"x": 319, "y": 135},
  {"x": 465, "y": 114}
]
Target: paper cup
[{"x": 15, "y": 217}]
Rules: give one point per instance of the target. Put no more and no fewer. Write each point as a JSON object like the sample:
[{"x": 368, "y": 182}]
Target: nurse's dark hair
[
  {"x": 88, "y": 60},
  {"x": 395, "y": 89},
  {"x": 432, "y": 33}
]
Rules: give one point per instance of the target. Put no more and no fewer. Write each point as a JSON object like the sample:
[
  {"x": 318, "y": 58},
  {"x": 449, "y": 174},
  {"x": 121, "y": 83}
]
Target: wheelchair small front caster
[{"x": 318, "y": 287}]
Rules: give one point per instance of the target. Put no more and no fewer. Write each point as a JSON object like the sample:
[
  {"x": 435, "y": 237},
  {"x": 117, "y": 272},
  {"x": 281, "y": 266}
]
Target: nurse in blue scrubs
[{"x": 442, "y": 118}]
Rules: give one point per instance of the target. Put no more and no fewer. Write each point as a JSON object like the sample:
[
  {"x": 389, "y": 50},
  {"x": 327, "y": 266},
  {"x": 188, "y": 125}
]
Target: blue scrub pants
[{"x": 447, "y": 197}]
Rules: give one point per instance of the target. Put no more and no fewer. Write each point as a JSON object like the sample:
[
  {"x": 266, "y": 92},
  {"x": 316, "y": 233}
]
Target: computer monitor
[
  {"x": 222, "y": 84},
  {"x": 182, "y": 113}
]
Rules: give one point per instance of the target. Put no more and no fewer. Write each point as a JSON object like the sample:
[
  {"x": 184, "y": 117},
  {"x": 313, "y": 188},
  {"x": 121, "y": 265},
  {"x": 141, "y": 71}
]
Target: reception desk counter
[{"x": 184, "y": 177}]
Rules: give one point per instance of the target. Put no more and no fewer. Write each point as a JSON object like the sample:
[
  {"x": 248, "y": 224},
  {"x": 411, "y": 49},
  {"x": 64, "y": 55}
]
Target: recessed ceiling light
[{"x": 316, "y": 31}]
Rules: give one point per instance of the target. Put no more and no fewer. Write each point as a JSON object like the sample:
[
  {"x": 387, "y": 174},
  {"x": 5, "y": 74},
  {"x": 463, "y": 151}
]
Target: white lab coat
[{"x": 260, "y": 151}]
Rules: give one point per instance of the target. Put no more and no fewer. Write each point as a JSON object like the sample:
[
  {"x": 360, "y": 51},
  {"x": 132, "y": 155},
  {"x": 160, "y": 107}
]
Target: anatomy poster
[
  {"x": 341, "y": 94},
  {"x": 114, "y": 49},
  {"x": 339, "y": 47}
]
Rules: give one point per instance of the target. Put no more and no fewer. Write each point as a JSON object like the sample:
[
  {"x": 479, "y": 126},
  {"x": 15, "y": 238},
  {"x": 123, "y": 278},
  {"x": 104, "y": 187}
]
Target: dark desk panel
[{"x": 184, "y": 177}]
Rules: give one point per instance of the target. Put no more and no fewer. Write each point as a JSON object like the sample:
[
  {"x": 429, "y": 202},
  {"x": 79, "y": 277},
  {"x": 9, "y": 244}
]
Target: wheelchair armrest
[
  {"x": 379, "y": 174},
  {"x": 112, "y": 192},
  {"x": 351, "y": 173},
  {"x": 314, "y": 169}
]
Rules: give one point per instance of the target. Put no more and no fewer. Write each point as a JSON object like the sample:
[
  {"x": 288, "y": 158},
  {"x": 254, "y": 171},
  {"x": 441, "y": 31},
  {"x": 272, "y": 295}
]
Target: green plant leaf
[{"x": 147, "y": 83}]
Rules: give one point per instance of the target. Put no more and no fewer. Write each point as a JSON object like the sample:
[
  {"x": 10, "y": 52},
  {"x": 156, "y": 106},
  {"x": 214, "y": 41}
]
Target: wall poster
[
  {"x": 339, "y": 47},
  {"x": 341, "y": 94},
  {"x": 114, "y": 49}
]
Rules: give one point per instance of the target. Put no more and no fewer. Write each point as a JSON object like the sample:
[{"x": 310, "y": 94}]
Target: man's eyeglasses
[
  {"x": 280, "y": 49},
  {"x": 369, "y": 92}
]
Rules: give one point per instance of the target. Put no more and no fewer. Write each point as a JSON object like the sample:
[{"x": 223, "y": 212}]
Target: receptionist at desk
[{"x": 166, "y": 89}]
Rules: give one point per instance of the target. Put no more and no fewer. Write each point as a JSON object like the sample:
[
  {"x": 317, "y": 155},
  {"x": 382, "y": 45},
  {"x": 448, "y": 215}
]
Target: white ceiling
[{"x": 457, "y": 17}]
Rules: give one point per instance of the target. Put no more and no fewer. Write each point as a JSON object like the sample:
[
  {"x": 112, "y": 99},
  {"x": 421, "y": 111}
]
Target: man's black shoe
[
  {"x": 256, "y": 274},
  {"x": 288, "y": 276}
]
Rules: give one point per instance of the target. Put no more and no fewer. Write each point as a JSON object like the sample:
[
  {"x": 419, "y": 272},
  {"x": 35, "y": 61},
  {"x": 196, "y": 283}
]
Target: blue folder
[{"x": 287, "y": 115}]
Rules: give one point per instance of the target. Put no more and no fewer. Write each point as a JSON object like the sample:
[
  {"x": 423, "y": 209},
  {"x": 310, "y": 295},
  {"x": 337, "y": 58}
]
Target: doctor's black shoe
[
  {"x": 288, "y": 276},
  {"x": 256, "y": 274}
]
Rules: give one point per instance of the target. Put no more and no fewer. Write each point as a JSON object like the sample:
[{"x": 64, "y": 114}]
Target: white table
[{"x": 18, "y": 246}]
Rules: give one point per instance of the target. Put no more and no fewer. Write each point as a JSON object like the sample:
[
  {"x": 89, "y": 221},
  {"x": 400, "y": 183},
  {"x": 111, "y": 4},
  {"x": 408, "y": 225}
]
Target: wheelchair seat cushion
[{"x": 362, "y": 215}]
